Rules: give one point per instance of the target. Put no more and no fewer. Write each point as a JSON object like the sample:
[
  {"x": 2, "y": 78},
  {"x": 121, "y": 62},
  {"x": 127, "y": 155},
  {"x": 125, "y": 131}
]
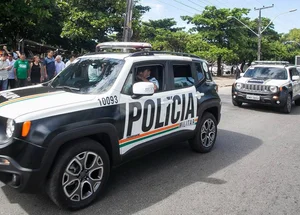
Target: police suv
[
  {"x": 65, "y": 135},
  {"x": 274, "y": 83}
]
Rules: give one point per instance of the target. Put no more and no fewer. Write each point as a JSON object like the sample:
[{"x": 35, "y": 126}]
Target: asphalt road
[{"x": 253, "y": 169}]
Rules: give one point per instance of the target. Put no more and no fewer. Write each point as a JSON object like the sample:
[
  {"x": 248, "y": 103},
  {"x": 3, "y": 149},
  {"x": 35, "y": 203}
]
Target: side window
[
  {"x": 183, "y": 76},
  {"x": 200, "y": 72},
  {"x": 150, "y": 73},
  {"x": 206, "y": 71},
  {"x": 127, "y": 88},
  {"x": 295, "y": 72}
]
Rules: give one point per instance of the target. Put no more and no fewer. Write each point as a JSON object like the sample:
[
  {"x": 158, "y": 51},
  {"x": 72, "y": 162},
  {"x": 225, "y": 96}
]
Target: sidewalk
[{"x": 225, "y": 81}]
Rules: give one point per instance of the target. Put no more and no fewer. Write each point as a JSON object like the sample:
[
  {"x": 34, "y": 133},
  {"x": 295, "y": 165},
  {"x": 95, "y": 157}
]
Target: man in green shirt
[{"x": 21, "y": 71}]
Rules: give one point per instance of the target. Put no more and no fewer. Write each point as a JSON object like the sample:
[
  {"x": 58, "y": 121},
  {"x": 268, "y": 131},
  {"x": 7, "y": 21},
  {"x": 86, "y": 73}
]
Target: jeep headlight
[
  {"x": 10, "y": 128},
  {"x": 238, "y": 86},
  {"x": 273, "y": 89}
]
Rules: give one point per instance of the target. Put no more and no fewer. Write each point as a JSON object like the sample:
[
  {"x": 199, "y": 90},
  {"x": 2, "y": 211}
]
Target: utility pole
[
  {"x": 259, "y": 29},
  {"x": 127, "y": 31}
]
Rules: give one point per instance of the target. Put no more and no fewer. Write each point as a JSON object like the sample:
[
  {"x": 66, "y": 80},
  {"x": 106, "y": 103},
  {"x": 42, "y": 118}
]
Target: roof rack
[
  {"x": 151, "y": 53},
  {"x": 270, "y": 62}
]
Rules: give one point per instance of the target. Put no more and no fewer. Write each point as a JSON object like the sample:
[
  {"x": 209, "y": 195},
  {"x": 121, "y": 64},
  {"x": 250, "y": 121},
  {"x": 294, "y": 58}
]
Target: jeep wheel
[
  {"x": 79, "y": 174},
  {"x": 237, "y": 103},
  {"x": 206, "y": 134},
  {"x": 288, "y": 104},
  {"x": 297, "y": 102}
]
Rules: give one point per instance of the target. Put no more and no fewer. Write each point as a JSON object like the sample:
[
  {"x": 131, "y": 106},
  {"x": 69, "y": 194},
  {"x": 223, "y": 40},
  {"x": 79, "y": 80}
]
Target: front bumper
[
  {"x": 20, "y": 165},
  {"x": 275, "y": 99}
]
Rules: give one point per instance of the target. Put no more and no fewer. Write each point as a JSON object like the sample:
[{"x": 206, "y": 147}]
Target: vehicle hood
[
  {"x": 15, "y": 103},
  {"x": 269, "y": 82}
]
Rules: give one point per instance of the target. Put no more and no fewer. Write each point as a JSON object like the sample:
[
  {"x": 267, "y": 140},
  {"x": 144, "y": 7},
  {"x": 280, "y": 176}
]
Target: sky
[{"x": 173, "y": 9}]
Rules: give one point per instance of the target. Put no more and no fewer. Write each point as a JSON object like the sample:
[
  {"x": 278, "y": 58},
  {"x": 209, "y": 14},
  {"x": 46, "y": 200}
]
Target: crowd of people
[{"x": 17, "y": 71}]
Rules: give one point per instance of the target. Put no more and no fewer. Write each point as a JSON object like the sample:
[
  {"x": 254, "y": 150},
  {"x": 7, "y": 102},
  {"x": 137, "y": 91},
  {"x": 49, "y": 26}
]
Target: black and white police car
[
  {"x": 274, "y": 83},
  {"x": 65, "y": 135}
]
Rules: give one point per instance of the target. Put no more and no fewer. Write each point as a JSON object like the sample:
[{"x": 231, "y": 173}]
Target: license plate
[{"x": 253, "y": 97}]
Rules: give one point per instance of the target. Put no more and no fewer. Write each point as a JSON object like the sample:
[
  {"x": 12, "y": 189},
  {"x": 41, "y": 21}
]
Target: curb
[{"x": 226, "y": 85}]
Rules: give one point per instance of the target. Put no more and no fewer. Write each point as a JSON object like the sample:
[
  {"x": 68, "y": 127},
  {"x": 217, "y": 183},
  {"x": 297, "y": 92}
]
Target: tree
[
  {"x": 95, "y": 20},
  {"x": 293, "y": 35},
  {"x": 215, "y": 28},
  {"x": 21, "y": 18}
]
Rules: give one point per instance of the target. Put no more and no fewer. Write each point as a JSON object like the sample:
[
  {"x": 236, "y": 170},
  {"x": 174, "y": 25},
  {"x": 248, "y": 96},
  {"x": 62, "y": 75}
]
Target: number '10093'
[{"x": 110, "y": 100}]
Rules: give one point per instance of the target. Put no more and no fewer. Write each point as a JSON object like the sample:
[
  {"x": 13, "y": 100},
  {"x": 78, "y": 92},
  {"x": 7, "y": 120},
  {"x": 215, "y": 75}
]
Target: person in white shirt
[
  {"x": 59, "y": 64},
  {"x": 71, "y": 60},
  {"x": 11, "y": 75},
  {"x": 4, "y": 67}
]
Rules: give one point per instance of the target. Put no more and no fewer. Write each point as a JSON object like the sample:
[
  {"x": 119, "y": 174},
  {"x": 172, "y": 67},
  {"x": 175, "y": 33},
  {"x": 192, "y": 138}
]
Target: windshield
[
  {"x": 89, "y": 75},
  {"x": 266, "y": 73}
]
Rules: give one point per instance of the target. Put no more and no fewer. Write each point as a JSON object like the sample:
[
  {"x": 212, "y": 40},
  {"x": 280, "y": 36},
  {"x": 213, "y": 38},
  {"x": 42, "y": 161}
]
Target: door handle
[{"x": 199, "y": 95}]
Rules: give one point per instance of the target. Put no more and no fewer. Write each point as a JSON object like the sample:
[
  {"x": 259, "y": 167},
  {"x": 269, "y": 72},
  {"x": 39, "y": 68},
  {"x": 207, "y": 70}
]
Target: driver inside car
[{"x": 144, "y": 75}]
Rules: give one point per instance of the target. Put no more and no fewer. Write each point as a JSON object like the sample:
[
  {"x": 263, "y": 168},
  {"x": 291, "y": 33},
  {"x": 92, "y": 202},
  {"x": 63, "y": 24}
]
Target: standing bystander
[
  {"x": 36, "y": 74},
  {"x": 11, "y": 75},
  {"x": 59, "y": 64},
  {"x": 4, "y": 67},
  {"x": 49, "y": 65},
  {"x": 73, "y": 57},
  {"x": 22, "y": 70}
]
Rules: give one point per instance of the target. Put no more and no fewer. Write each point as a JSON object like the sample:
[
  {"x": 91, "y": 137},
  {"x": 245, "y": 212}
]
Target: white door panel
[{"x": 151, "y": 117}]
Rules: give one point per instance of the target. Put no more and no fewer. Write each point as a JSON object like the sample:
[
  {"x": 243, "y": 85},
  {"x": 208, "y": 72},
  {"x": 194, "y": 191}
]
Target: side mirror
[
  {"x": 295, "y": 78},
  {"x": 143, "y": 89},
  {"x": 242, "y": 74}
]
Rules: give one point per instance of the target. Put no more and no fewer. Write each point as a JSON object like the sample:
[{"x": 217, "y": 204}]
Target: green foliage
[{"x": 78, "y": 25}]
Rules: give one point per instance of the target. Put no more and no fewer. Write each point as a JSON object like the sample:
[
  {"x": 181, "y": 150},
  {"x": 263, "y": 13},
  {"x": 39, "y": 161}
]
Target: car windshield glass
[
  {"x": 266, "y": 73},
  {"x": 89, "y": 75}
]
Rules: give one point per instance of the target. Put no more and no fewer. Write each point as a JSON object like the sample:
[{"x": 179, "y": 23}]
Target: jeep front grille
[{"x": 256, "y": 88}]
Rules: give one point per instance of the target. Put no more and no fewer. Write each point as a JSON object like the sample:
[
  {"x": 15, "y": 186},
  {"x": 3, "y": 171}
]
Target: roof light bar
[
  {"x": 124, "y": 45},
  {"x": 270, "y": 62}
]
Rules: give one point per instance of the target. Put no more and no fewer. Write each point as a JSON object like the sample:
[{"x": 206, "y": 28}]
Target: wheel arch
[
  {"x": 212, "y": 106},
  {"x": 104, "y": 134}
]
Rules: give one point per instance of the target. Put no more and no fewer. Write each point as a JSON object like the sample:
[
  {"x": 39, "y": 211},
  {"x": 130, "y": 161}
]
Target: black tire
[
  {"x": 79, "y": 154},
  {"x": 198, "y": 143},
  {"x": 288, "y": 104},
  {"x": 297, "y": 102},
  {"x": 237, "y": 103}
]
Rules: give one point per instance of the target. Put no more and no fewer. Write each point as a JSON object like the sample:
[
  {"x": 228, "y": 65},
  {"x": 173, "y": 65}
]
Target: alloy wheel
[
  {"x": 208, "y": 133},
  {"x": 83, "y": 176}
]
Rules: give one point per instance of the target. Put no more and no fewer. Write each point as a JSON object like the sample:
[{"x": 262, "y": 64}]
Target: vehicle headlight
[
  {"x": 10, "y": 128},
  {"x": 238, "y": 86},
  {"x": 273, "y": 89}
]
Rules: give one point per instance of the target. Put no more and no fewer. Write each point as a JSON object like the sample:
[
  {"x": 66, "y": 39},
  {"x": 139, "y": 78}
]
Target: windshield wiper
[{"x": 68, "y": 88}]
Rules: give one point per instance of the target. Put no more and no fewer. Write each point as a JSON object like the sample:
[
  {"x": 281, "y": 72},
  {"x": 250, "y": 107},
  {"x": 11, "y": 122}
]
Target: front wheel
[
  {"x": 237, "y": 103},
  {"x": 288, "y": 104},
  {"x": 79, "y": 174},
  {"x": 297, "y": 102},
  {"x": 206, "y": 134}
]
